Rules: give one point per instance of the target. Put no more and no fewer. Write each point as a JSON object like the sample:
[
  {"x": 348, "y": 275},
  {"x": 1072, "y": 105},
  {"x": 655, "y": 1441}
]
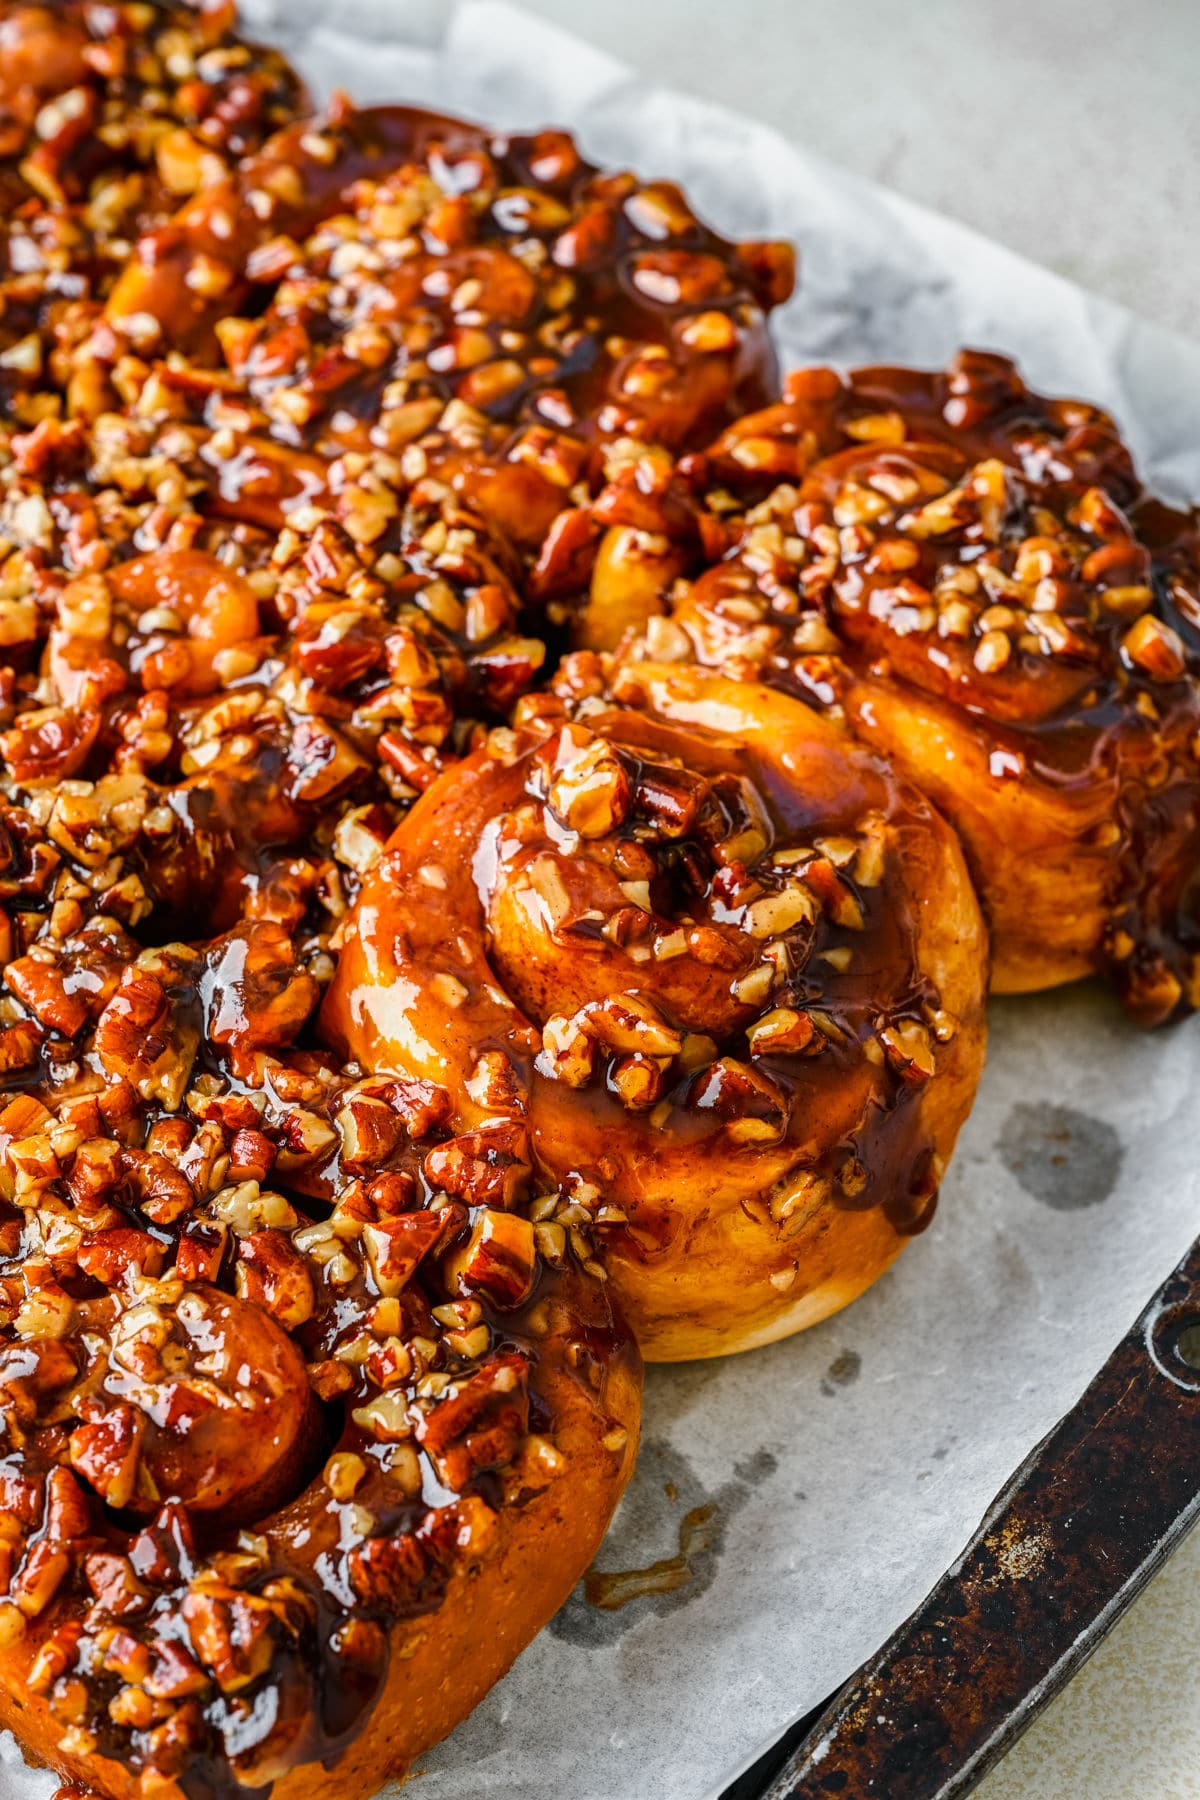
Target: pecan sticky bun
[
  {"x": 475, "y": 306},
  {"x": 733, "y": 967},
  {"x": 439, "y": 326},
  {"x": 304, "y": 1435},
  {"x": 973, "y": 577},
  {"x": 399, "y": 245},
  {"x": 293, "y": 1377}
]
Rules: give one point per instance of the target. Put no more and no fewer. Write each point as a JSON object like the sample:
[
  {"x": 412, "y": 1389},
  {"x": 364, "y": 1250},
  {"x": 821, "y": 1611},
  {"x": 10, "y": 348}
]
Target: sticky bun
[
  {"x": 439, "y": 326},
  {"x": 287, "y": 1481},
  {"x": 973, "y": 577},
  {"x": 731, "y": 968},
  {"x": 483, "y": 305},
  {"x": 310, "y": 1421}
]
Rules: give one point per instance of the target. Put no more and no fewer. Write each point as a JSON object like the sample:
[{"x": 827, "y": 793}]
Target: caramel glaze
[
  {"x": 724, "y": 1038},
  {"x": 608, "y": 1590},
  {"x": 618, "y": 266},
  {"x": 286, "y": 1383},
  {"x": 393, "y": 262},
  {"x": 972, "y": 576},
  {"x": 110, "y": 114}
]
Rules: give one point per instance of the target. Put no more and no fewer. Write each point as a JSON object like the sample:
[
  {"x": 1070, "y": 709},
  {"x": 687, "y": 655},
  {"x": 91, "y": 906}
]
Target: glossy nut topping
[
  {"x": 110, "y": 116},
  {"x": 205, "y": 1400},
  {"x": 411, "y": 259},
  {"x": 226, "y": 684},
  {"x": 957, "y": 539},
  {"x": 277, "y": 1352},
  {"x": 427, "y": 308}
]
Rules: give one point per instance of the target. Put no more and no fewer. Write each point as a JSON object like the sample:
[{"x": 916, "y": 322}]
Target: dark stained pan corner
[{"x": 1063, "y": 1549}]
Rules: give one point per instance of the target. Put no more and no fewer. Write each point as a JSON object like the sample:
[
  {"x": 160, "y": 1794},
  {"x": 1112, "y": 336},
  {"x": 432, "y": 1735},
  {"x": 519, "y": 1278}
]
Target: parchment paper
[{"x": 845, "y": 1468}]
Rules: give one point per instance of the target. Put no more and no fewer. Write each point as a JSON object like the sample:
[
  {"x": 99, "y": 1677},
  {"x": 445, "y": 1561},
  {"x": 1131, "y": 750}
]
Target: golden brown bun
[
  {"x": 1033, "y": 843},
  {"x": 755, "y": 1129},
  {"x": 971, "y": 575}
]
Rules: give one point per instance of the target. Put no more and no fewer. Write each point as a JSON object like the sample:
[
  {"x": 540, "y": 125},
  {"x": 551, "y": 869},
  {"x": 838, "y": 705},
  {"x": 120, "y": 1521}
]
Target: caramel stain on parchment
[
  {"x": 666, "y": 1508},
  {"x": 610, "y": 1590},
  {"x": 842, "y": 1372},
  {"x": 1064, "y": 1158}
]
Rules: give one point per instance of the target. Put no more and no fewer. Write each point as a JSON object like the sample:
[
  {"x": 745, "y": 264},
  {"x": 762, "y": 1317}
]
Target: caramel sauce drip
[{"x": 610, "y": 1590}]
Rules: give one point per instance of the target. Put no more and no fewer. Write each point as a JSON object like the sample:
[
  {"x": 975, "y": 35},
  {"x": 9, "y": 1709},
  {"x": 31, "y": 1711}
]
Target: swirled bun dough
[
  {"x": 973, "y": 577},
  {"x": 732, "y": 968}
]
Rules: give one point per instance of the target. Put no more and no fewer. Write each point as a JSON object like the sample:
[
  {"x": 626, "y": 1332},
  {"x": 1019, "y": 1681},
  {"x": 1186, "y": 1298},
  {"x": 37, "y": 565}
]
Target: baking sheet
[{"x": 806, "y": 1496}]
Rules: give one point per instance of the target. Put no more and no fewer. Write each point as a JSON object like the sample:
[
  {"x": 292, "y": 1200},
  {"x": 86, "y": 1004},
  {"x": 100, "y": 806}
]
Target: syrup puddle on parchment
[{"x": 609, "y": 1590}]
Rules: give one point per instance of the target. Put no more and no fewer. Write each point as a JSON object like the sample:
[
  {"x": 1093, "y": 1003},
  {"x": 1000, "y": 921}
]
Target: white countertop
[{"x": 1069, "y": 130}]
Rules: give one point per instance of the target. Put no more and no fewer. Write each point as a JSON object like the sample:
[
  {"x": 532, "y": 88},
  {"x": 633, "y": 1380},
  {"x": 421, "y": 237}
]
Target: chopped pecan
[
  {"x": 67, "y": 1519},
  {"x": 590, "y": 792},
  {"x": 495, "y": 1085},
  {"x": 671, "y": 799},
  {"x": 144, "y": 1039},
  {"x": 172, "y": 1673},
  {"x": 629, "y": 1024},
  {"x": 478, "y": 1424},
  {"x": 637, "y": 1081},
  {"x": 271, "y": 1272},
  {"x": 369, "y": 1130},
  {"x": 754, "y": 1108},
  {"x": 51, "y": 993},
  {"x": 166, "y": 1548},
  {"x": 232, "y": 1634},
  {"x": 201, "y": 1251},
  {"x": 321, "y": 762},
  {"x": 783, "y": 1030},
  {"x": 909, "y": 1050},
  {"x": 386, "y": 1195},
  {"x": 19, "y": 1045},
  {"x": 162, "y": 1191},
  {"x": 169, "y": 1746},
  {"x": 395, "y": 1246},
  {"x": 48, "y": 746},
  {"x": 390, "y": 1574},
  {"x": 114, "y": 1585},
  {"x": 106, "y": 1452},
  {"x": 251, "y": 1155},
  {"x": 488, "y": 1167},
  {"x": 68, "y": 1514},
  {"x": 257, "y": 997},
  {"x": 111, "y": 1256},
  {"x": 498, "y": 1259}
]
